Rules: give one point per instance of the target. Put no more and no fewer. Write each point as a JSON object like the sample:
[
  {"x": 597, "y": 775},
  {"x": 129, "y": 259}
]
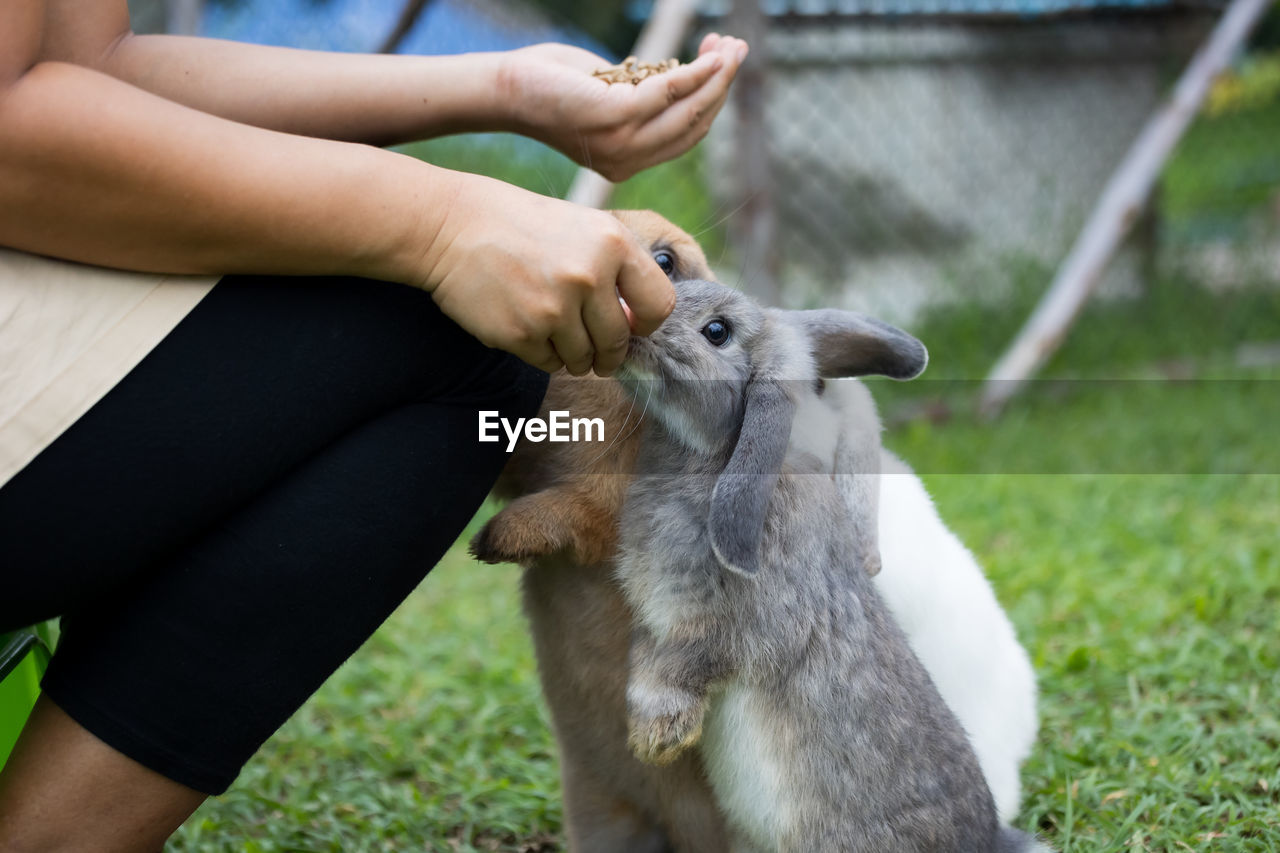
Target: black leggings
[{"x": 225, "y": 527}]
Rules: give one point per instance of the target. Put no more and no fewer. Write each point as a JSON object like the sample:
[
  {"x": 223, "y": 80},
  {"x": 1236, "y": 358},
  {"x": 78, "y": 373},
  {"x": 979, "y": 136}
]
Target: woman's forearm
[
  {"x": 95, "y": 170},
  {"x": 375, "y": 99}
]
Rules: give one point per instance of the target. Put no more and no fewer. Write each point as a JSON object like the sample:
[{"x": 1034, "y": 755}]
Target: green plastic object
[{"x": 24, "y": 655}]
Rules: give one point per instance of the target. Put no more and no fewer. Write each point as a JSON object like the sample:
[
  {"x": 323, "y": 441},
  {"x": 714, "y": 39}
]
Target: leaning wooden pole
[
  {"x": 661, "y": 37},
  {"x": 1122, "y": 200},
  {"x": 753, "y": 230},
  {"x": 410, "y": 13}
]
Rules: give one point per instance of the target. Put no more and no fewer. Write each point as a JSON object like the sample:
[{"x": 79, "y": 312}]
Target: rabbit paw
[
  {"x": 525, "y": 530},
  {"x": 662, "y": 722}
]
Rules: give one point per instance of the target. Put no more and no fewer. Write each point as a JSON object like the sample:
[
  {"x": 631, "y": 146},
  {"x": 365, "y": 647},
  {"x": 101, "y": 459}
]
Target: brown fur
[{"x": 561, "y": 525}]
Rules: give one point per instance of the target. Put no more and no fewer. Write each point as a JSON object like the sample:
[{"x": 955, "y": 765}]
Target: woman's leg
[
  {"x": 65, "y": 790},
  {"x": 236, "y": 517}
]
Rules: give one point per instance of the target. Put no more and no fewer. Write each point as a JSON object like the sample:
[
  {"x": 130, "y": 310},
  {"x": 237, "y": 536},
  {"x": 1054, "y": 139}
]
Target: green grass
[
  {"x": 1148, "y": 601},
  {"x": 432, "y": 737}
]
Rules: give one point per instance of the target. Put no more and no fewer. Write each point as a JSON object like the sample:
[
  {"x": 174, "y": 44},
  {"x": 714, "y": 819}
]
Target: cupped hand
[
  {"x": 543, "y": 278},
  {"x": 616, "y": 129}
]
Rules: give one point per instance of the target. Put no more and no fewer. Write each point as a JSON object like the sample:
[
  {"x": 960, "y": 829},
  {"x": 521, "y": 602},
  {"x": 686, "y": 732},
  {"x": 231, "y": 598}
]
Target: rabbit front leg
[
  {"x": 667, "y": 690},
  {"x": 543, "y": 523}
]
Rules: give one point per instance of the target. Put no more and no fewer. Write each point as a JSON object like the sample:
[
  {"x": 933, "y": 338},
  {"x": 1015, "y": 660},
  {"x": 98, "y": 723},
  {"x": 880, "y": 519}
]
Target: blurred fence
[{"x": 926, "y": 152}]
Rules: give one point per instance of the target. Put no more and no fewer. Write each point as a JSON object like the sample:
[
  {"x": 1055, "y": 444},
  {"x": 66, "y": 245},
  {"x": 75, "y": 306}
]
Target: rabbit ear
[
  {"x": 850, "y": 344},
  {"x": 743, "y": 489}
]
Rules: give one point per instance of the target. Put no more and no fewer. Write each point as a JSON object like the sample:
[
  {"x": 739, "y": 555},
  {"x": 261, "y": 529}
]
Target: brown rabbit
[{"x": 562, "y": 527}]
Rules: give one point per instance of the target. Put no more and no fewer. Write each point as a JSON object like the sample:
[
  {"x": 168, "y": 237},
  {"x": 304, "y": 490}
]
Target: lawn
[{"x": 1128, "y": 526}]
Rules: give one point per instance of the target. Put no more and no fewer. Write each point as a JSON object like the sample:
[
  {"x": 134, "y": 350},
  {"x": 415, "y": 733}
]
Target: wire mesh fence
[{"x": 919, "y": 158}]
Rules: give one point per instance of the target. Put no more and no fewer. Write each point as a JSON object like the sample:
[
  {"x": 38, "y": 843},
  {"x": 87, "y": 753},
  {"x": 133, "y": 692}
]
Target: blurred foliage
[
  {"x": 1175, "y": 328},
  {"x": 1227, "y": 166},
  {"x": 675, "y": 189},
  {"x": 1255, "y": 83}
]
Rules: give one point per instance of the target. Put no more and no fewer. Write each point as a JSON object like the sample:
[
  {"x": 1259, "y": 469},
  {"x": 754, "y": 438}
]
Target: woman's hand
[
  {"x": 616, "y": 129},
  {"x": 541, "y": 278}
]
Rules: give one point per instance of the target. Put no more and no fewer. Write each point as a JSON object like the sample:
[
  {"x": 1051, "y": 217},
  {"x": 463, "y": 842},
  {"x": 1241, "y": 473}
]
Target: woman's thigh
[{"x": 264, "y": 374}]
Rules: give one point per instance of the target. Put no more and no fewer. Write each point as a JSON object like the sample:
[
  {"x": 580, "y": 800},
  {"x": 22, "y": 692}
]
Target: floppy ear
[
  {"x": 743, "y": 489},
  {"x": 850, "y": 344}
]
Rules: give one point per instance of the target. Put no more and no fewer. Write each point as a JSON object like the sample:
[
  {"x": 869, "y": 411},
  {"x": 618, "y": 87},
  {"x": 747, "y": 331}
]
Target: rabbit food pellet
[{"x": 632, "y": 70}]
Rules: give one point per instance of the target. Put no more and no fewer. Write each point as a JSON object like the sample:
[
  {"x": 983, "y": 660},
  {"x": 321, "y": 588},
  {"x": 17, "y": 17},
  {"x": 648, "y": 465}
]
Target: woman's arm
[
  {"x": 371, "y": 98},
  {"x": 344, "y": 96},
  {"x": 95, "y": 170},
  {"x": 546, "y": 92}
]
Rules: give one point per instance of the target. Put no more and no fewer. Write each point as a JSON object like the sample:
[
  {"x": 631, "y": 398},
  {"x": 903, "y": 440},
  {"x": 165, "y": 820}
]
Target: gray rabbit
[{"x": 757, "y": 635}]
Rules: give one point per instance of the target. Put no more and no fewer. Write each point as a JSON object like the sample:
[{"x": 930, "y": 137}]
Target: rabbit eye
[
  {"x": 666, "y": 261},
  {"x": 718, "y": 332},
  {"x": 819, "y": 386}
]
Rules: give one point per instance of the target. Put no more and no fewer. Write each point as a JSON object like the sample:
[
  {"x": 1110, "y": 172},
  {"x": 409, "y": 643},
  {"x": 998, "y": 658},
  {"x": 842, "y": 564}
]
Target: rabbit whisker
[
  {"x": 724, "y": 218},
  {"x": 625, "y": 418}
]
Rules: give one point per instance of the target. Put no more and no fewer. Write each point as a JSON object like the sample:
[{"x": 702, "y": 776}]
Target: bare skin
[
  {"x": 63, "y": 789},
  {"x": 166, "y": 154}
]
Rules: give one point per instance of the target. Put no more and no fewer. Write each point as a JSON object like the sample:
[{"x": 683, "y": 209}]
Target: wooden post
[
  {"x": 661, "y": 38},
  {"x": 1117, "y": 209},
  {"x": 409, "y": 15},
  {"x": 753, "y": 230}
]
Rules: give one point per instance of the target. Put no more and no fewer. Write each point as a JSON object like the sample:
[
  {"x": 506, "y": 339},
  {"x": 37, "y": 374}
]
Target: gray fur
[
  {"x": 741, "y": 495},
  {"x": 822, "y": 729}
]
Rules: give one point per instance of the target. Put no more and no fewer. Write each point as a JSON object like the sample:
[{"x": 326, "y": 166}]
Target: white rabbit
[
  {"x": 944, "y": 603},
  {"x": 938, "y": 595}
]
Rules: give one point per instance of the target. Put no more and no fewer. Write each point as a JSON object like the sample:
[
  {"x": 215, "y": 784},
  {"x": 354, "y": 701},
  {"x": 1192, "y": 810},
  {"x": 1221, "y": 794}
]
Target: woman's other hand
[
  {"x": 616, "y": 129},
  {"x": 541, "y": 278}
]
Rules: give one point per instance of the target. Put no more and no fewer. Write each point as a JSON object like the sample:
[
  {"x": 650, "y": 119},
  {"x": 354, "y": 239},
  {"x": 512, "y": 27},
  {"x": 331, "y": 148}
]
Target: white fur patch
[
  {"x": 676, "y": 420},
  {"x": 816, "y": 429},
  {"x": 654, "y": 697},
  {"x": 940, "y": 597},
  {"x": 743, "y": 771},
  {"x": 692, "y": 435}
]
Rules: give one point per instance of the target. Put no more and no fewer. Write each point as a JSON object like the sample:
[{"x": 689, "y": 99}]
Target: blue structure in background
[
  {"x": 444, "y": 27},
  {"x": 361, "y": 25},
  {"x": 967, "y": 8}
]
